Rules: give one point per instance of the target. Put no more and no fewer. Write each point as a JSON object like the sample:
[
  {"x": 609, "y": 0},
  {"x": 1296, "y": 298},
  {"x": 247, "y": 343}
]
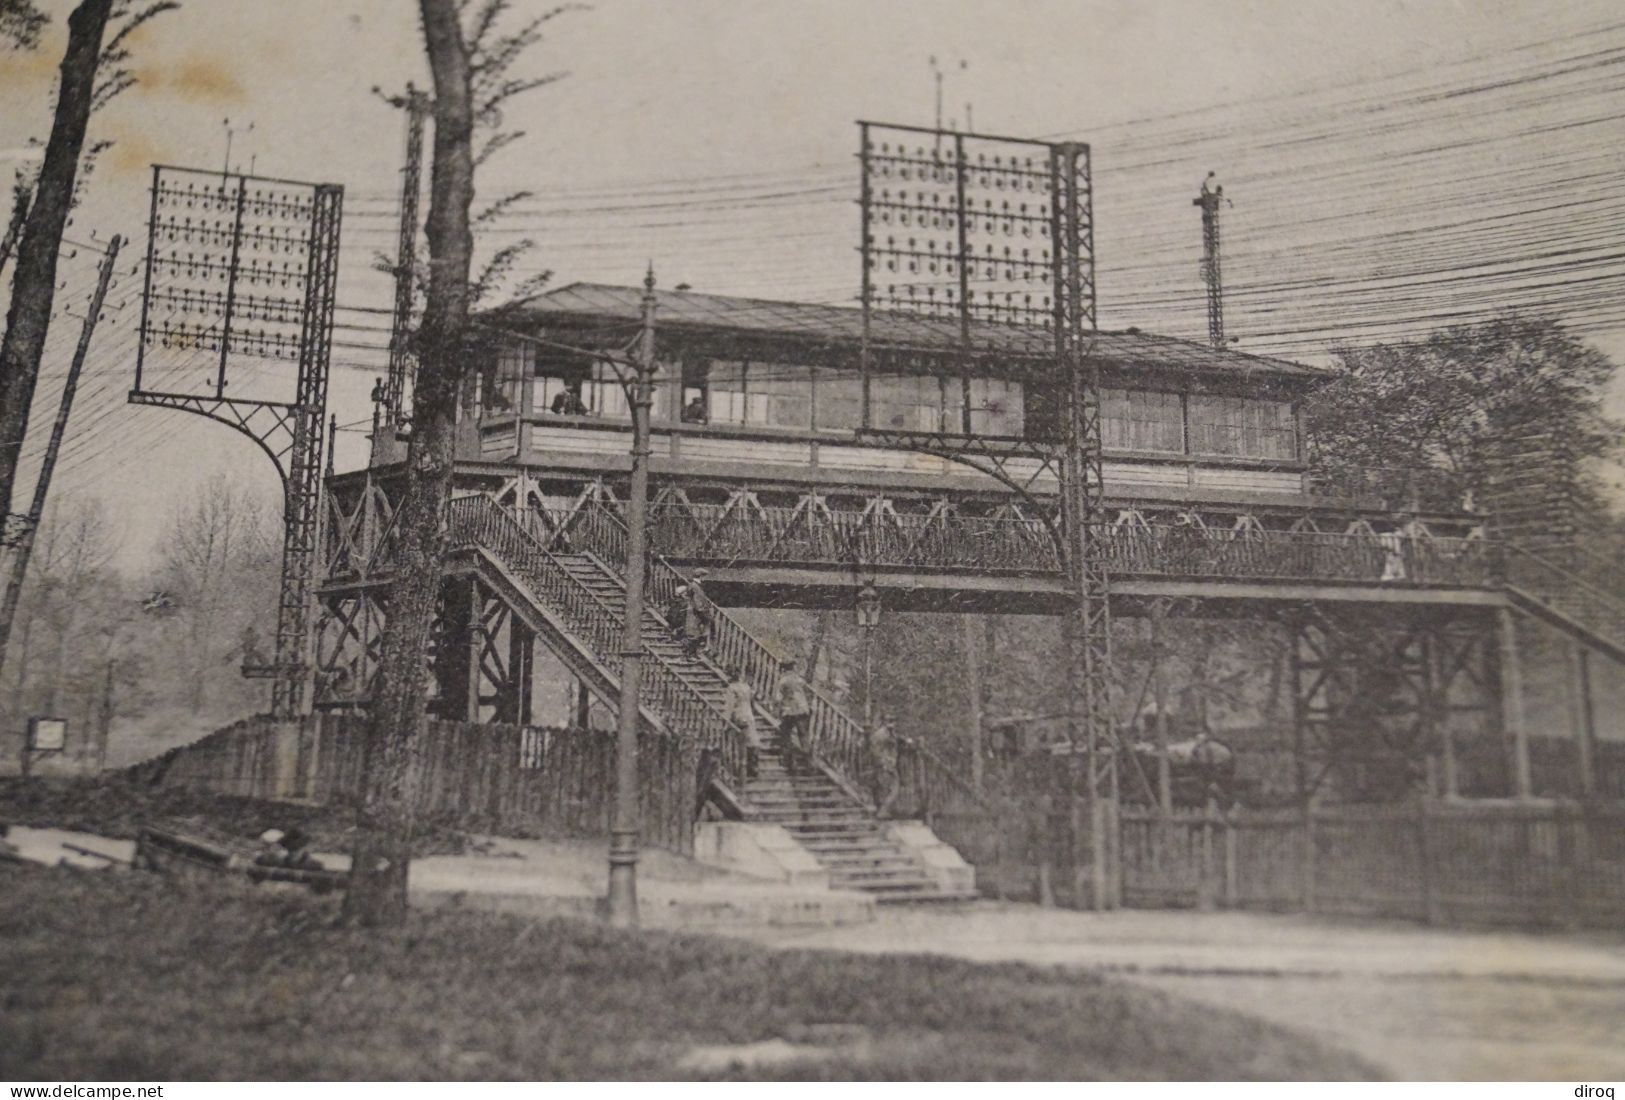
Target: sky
[{"x": 1388, "y": 164}]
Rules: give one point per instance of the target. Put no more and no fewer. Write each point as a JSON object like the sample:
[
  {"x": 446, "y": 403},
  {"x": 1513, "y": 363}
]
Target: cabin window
[
  {"x": 837, "y": 401},
  {"x": 1141, "y": 420},
  {"x": 786, "y": 394},
  {"x": 763, "y": 395},
  {"x": 561, "y": 392},
  {"x": 995, "y": 407},
  {"x": 603, "y": 395},
  {"x": 914, "y": 403},
  {"x": 500, "y": 379},
  {"x": 1242, "y": 427}
]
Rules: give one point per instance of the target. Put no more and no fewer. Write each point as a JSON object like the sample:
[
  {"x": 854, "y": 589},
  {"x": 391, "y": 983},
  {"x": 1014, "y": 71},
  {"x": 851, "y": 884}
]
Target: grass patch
[
  {"x": 126, "y": 975},
  {"x": 118, "y": 805}
]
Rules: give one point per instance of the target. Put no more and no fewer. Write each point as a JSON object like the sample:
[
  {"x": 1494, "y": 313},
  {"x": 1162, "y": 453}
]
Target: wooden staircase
[
  {"x": 1582, "y": 609},
  {"x": 820, "y": 809}
]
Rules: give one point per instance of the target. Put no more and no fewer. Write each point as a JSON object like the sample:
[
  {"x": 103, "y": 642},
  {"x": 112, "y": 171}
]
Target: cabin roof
[{"x": 601, "y": 304}]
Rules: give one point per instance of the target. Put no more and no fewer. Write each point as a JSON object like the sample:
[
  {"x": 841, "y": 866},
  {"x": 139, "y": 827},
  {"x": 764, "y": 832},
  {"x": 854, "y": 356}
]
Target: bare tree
[
  {"x": 470, "y": 68},
  {"x": 215, "y": 542},
  {"x": 92, "y": 74}
]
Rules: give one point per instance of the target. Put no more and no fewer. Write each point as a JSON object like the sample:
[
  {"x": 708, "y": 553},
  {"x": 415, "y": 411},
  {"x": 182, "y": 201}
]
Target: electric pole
[
  {"x": 25, "y": 544},
  {"x": 624, "y": 823},
  {"x": 1212, "y": 194},
  {"x": 416, "y": 105}
]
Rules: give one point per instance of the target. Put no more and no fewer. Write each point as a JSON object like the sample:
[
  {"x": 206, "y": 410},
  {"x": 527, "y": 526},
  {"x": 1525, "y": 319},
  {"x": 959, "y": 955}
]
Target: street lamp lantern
[{"x": 868, "y": 606}]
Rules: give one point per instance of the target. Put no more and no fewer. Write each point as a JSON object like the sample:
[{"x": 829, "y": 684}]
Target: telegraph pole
[
  {"x": 416, "y": 105},
  {"x": 625, "y": 823},
  {"x": 1212, "y": 194},
  {"x": 25, "y": 544}
]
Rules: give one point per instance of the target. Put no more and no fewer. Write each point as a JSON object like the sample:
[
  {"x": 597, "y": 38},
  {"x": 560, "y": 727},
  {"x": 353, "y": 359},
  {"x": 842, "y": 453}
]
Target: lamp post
[
  {"x": 625, "y": 818},
  {"x": 868, "y": 605}
]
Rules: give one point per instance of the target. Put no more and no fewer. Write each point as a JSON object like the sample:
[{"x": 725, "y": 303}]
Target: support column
[
  {"x": 470, "y": 710},
  {"x": 1433, "y": 731},
  {"x": 456, "y": 660},
  {"x": 1512, "y": 715},
  {"x": 1159, "y": 690},
  {"x": 1296, "y": 624},
  {"x": 1583, "y": 715}
]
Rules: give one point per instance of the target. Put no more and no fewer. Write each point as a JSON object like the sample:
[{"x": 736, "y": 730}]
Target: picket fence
[
  {"x": 1521, "y": 863},
  {"x": 522, "y": 781}
]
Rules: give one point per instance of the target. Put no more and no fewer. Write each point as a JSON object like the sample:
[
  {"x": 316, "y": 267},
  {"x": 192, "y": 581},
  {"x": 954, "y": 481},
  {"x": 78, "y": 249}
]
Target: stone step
[
  {"x": 878, "y": 862},
  {"x": 796, "y": 798},
  {"x": 881, "y": 881},
  {"x": 796, "y": 824},
  {"x": 807, "y": 811},
  {"x": 836, "y": 848},
  {"x": 921, "y": 897},
  {"x": 803, "y": 830}
]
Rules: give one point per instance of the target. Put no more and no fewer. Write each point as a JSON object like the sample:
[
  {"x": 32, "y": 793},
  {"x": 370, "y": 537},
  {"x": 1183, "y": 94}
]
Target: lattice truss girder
[
  {"x": 727, "y": 523},
  {"x": 479, "y": 664},
  {"x": 1383, "y": 700}
]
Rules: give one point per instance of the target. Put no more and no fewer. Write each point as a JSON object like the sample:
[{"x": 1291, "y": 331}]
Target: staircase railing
[
  {"x": 837, "y": 740},
  {"x": 936, "y": 786},
  {"x": 1596, "y": 609},
  {"x": 479, "y": 522}
]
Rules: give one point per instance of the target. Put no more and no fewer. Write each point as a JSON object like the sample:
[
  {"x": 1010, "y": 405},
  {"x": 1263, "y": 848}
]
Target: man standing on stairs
[
  {"x": 690, "y": 607},
  {"x": 883, "y": 762},
  {"x": 741, "y": 711},
  {"x": 795, "y": 711}
]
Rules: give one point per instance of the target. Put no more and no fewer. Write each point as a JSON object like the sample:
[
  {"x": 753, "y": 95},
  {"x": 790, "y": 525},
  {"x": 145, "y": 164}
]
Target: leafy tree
[{"x": 1447, "y": 402}]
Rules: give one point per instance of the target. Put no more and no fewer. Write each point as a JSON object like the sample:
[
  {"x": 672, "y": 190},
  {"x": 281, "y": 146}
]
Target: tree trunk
[
  {"x": 34, "y": 283},
  {"x": 377, "y": 888}
]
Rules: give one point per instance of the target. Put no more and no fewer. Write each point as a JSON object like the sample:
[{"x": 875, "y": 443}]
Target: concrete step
[
  {"x": 814, "y": 830},
  {"x": 893, "y": 861},
  {"x": 837, "y": 848},
  {"x": 878, "y": 882},
  {"x": 765, "y": 799},
  {"x": 921, "y": 897},
  {"x": 807, "y": 811}
]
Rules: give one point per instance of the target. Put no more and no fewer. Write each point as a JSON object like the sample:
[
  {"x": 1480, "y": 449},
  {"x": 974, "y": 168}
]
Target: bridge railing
[
  {"x": 477, "y": 522},
  {"x": 954, "y": 542},
  {"x": 837, "y": 740},
  {"x": 1177, "y": 551}
]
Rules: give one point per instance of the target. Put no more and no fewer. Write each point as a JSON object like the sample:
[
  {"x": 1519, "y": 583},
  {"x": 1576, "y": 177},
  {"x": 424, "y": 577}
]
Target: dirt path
[
  {"x": 1440, "y": 1028},
  {"x": 1421, "y": 1003}
]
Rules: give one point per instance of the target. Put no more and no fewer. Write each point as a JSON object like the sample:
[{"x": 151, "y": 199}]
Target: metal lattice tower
[
  {"x": 1082, "y": 482},
  {"x": 241, "y": 277},
  {"x": 416, "y": 105},
  {"x": 1210, "y": 198},
  {"x": 994, "y": 231},
  {"x": 303, "y": 485}
]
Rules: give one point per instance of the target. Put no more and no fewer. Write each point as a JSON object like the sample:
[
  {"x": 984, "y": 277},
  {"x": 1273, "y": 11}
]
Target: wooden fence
[
  {"x": 1531, "y": 863},
  {"x": 520, "y": 781}
]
